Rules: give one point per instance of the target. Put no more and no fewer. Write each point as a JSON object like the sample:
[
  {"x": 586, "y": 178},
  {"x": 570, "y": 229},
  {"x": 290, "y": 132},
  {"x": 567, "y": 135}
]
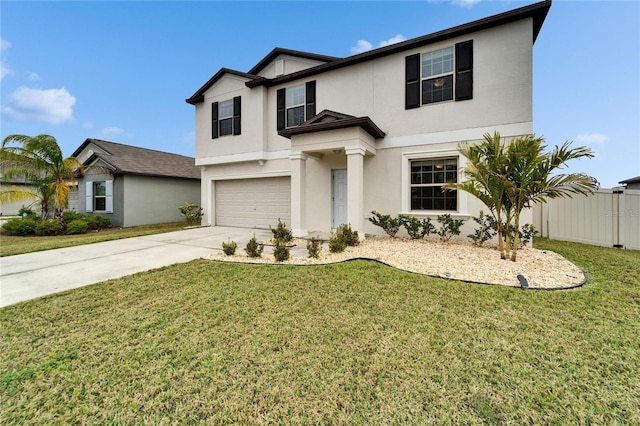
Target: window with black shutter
[
  {"x": 439, "y": 75},
  {"x": 295, "y": 105},
  {"x": 226, "y": 117}
]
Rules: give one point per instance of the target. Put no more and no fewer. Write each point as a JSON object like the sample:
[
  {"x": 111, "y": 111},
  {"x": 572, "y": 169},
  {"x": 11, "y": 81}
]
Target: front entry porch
[{"x": 330, "y": 135}]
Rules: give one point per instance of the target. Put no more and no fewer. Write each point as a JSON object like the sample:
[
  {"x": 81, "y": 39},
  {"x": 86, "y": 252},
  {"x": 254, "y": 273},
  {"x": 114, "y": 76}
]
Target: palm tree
[
  {"x": 39, "y": 160},
  {"x": 485, "y": 167},
  {"x": 533, "y": 179},
  {"x": 509, "y": 177},
  {"x": 39, "y": 190}
]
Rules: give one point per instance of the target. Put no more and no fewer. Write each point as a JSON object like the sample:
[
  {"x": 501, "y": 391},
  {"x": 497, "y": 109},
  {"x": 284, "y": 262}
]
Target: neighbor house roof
[
  {"x": 631, "y": 180},
  {"x": 537, "y": 12},
  {"x": 132, "y": 160}
]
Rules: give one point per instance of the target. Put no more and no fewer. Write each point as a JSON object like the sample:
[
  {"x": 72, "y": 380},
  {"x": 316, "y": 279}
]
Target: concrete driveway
[{"x": 28, "y": 276}]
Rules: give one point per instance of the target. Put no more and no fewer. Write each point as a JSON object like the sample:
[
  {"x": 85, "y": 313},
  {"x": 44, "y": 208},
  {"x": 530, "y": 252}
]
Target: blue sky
[{"x": 121, "y": 70}]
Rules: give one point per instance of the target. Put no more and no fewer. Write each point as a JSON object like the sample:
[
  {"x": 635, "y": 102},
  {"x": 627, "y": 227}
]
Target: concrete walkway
[{"x": 29, "y": 276}]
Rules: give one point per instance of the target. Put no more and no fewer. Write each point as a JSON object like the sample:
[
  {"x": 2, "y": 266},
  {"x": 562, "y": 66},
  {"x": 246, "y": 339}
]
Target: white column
[
  {"x": 355, "y": 189},
  {"x": 298, "y": 194}
]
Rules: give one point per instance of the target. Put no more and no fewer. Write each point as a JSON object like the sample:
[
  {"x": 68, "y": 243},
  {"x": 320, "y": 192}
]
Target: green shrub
[
  {"x": 253, "y": 249},
  {"x": 336, "y": 244},
  {"x": 96, "y": 221},
  {"x": 349, "y": 236},
  {"x": 281, "y": 251},
  {"x": 486, "y": 230},
  {"x": 449, "y": 226},
  {"x": 70, "y": 216},
  {"x": 49, "y": 227},
  {"x": 417, "y": 228},
  {"x": 527, "y": 232},
  {"x": 192, "y": 213},
  {"x": 229, "y": 248},
  {"x": 313, "y": 247},
  {"x": 29, "y": 213},
  {"x": 20, "y": 226},
  {"x": 389, "y": 224},
  {"x": 77, "y": 226},
  {"x": 281, "y": 233}
]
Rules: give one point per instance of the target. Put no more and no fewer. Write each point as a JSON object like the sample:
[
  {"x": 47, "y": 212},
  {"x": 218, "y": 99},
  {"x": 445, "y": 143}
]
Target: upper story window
[
  {"x": 437, "y": 76},
  {"x": 295, "y": 105},
  {"x": 440, "y": 75},
  {"x": 225, "y": 117}
]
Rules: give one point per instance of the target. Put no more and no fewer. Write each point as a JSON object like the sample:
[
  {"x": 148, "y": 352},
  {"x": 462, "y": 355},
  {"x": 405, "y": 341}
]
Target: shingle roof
[
  {"x": 132, "y": 160},
  {"x": 537, "y": 12},
  {"x": 631, "y": 180}
]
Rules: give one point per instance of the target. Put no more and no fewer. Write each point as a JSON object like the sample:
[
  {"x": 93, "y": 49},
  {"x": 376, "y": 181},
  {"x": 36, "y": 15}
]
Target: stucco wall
[{"x": 149, "y": 200}]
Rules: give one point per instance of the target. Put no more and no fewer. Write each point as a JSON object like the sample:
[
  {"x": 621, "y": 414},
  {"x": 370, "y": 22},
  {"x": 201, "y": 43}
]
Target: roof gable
[
  {"x": 331, "y": 120},
  {"x": 278, "y": 51},
  {"x": 127, "y": 159}
]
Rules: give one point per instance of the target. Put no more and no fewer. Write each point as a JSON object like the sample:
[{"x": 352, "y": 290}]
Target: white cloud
[
  {"x": 592, "y": 138},
  {"x": 52, "y": 106},
  {"x": 465, "y": 3},
  {"x": 4, "y": 70},
  {"x": 364, "y": 45},
  {"x": 361, "y": 46},
  {"x": 4, "y": 45},
  {"x": 111, "y": 131}
]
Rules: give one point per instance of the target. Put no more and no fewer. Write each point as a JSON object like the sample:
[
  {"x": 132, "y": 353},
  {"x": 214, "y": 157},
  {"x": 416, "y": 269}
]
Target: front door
[{"x": 339, "y": 197}]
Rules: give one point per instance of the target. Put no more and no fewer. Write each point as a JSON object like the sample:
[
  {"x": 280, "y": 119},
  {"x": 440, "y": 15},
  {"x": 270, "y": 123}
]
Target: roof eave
[
  {"x": 363, "y": 122},
  {"x": 198, "y": 96},
  {"x": 536, "y": 11}
]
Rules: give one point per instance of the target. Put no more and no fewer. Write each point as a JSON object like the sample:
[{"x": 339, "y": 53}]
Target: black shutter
[
  {"x": 310, "y": 99},
  {"x": 281, "y": 123},
  {"x": 214, "y": 120},
  {"x": 412, "y": 81},
  {"x": 237, "y": 107},
  {"x": 464, "y": 70}
]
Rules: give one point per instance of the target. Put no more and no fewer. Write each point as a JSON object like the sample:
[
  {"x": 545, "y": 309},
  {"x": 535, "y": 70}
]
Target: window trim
[
  {"x": 436, "y": 185},
  {"x": 407, "y": 158},
  {"x": 309, "y": 104},
  {"x": 90, "y": 196},
  {"x": 439, "y": 76}
]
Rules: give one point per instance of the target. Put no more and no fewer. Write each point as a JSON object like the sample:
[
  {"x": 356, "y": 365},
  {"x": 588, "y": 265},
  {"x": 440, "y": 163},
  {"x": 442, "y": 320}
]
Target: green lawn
[
  {"x": 10, "y": 245},
  {"x": 353, "y": 343}
]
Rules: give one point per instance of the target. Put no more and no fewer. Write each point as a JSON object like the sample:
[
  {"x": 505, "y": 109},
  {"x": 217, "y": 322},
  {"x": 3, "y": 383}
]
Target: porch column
[
  {"x": 355, "y": 189},
  {"x": 298, "y": 195}
]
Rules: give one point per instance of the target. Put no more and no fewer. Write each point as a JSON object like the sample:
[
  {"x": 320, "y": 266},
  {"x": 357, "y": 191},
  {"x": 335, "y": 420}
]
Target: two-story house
[{"x": 318, "y": 141}]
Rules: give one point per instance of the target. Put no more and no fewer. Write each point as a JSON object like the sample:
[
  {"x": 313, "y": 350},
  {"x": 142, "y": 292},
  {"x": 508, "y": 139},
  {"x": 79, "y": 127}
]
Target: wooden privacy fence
[{"x": 608, "y": 217}]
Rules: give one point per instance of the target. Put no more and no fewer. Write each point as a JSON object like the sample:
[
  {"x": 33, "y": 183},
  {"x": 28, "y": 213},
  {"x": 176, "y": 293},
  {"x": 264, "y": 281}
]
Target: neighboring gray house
[
  {"x": 632, "y": 183},
  {"x": 134, "y": 186},
  {"x": 319, "y": 141}
]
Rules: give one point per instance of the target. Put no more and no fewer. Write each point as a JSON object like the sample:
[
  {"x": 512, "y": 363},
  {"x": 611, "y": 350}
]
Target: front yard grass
[
  {"x": 352, "y": 343},
  {"x": 11, "y": 245}
]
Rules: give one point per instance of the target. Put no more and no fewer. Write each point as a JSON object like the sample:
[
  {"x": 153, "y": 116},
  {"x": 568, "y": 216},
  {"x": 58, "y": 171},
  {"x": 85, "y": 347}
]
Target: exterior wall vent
[{"x": 279, "y": 67}]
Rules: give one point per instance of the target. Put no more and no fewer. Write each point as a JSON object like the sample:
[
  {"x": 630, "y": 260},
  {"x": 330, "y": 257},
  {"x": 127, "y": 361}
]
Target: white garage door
[{"x": 253, "y": 203}]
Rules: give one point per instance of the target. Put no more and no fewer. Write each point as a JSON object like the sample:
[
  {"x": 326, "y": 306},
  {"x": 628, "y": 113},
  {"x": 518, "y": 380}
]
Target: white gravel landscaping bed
[{"x": 454, "y": 260}]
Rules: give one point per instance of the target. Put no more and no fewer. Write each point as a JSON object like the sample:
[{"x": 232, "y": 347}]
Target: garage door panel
[{"x": 255, "y": 203}]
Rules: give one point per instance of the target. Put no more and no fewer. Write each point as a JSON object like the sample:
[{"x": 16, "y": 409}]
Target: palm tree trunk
[
  {"x": 515, "y": 239},
  {"x": 57, "y": 214},
  {"x": 500, "y": 232}
]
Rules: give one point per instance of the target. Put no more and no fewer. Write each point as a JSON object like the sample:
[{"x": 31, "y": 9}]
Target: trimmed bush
[
  {"x": 281, "y": 251},
  {"x": 417, "y": 228},
  {"x": 49, "y": 227},
  {"x": 21, "y": 226},
  {"x": 70, "y": 216},
  {"x": 487, "y": 229},
  {"x": 389, "y": 224},
  {"x": 281, "y": 233},
  {"x": 192, "y": 213},
  {"x": 229, "y": 248},
  {"x": 449, "y": 226},
  {"x": 349, "y": 236},
  {"x": 29, "y": 213},
  {"x": 77, "y": 226},
  {"x": 96, "y": 221},
  {"x": 253, "y": 249},
  {"x": 313, "y": 247},
  {"x": 336, "y": 245}
]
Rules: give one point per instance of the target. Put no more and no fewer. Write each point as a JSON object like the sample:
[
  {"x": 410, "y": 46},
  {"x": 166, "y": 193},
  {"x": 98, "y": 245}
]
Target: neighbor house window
[
  {"x": 225, "y": 117},
  {"x": 295, "y": 105},
  {"x": 427, "y": 178},
  {"x": 99, "y": 196},
  {"x": 439, "y": 75}
]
